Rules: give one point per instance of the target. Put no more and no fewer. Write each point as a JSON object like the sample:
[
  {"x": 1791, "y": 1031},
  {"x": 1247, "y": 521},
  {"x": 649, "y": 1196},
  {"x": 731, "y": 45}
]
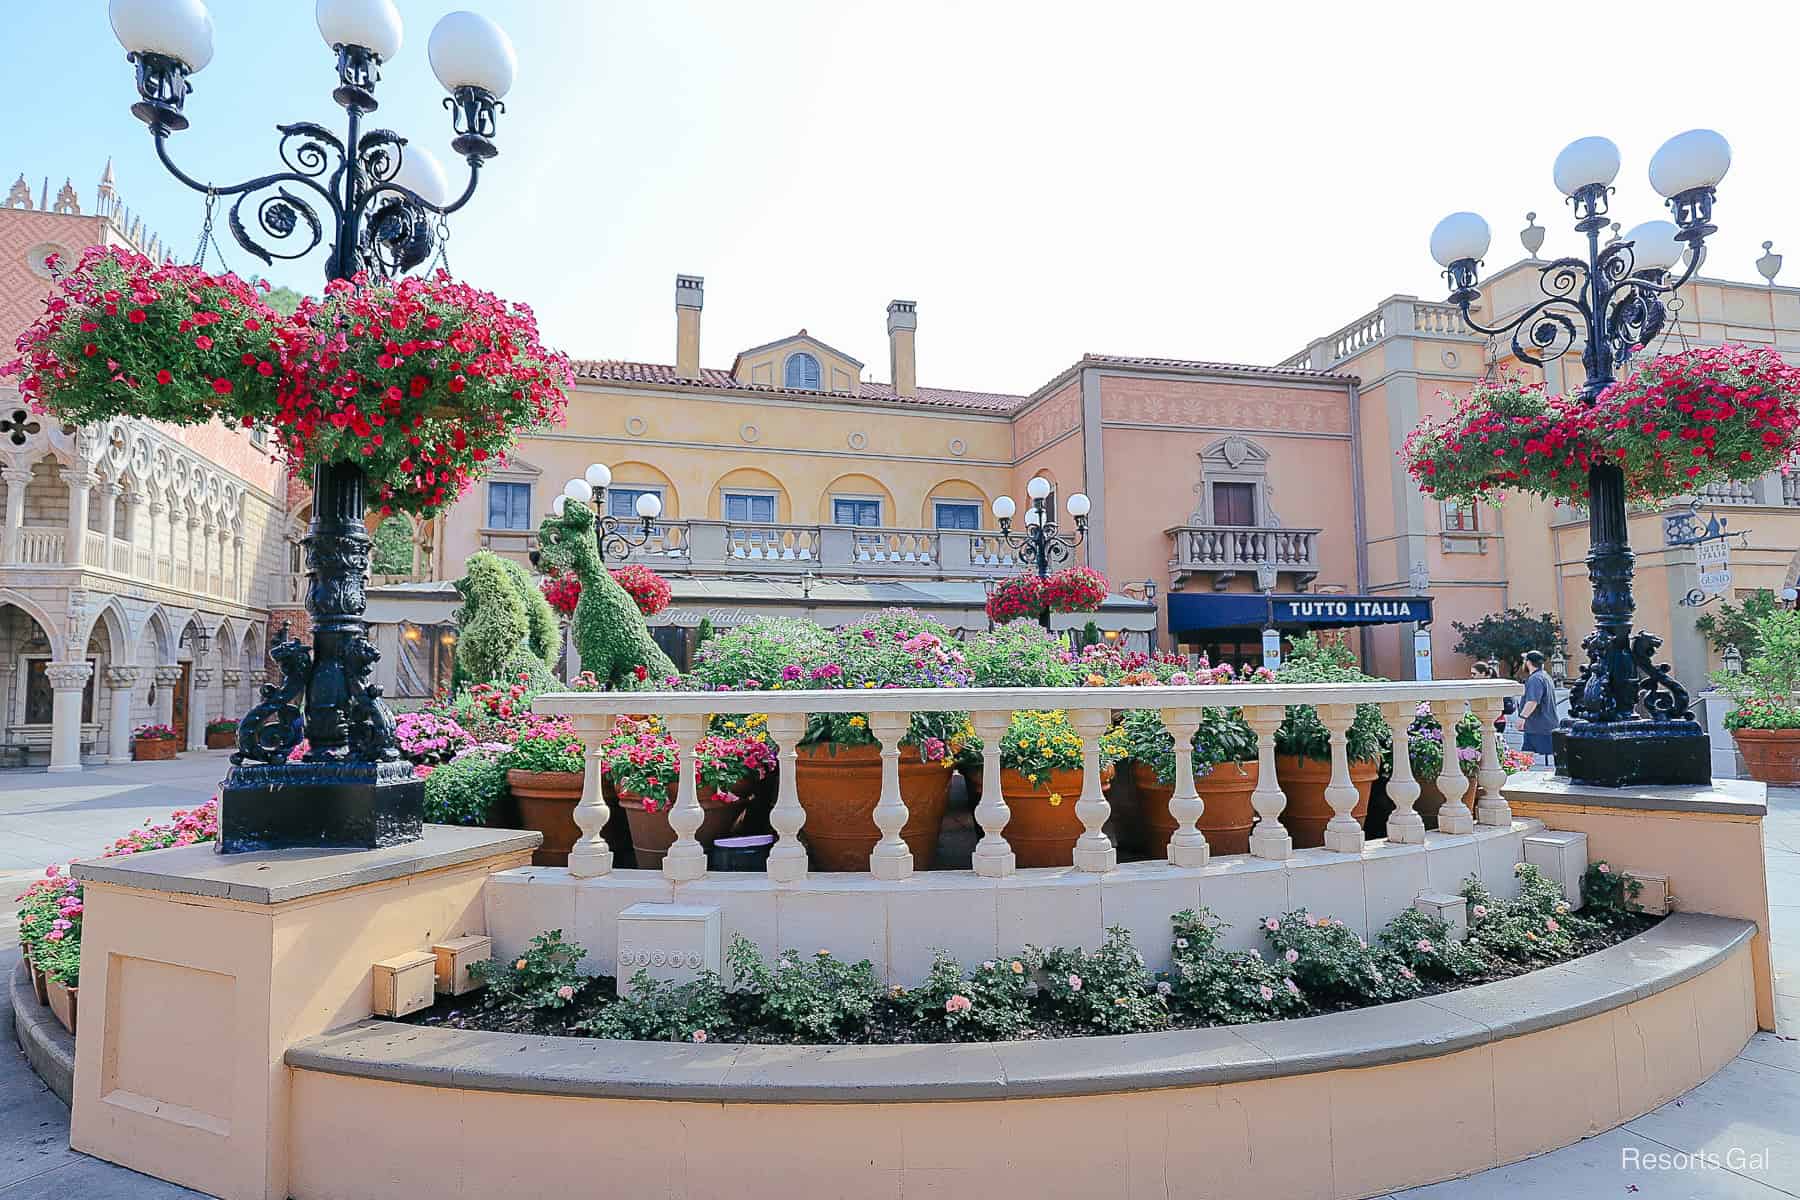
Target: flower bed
[{"x": 1310, "y": 964}]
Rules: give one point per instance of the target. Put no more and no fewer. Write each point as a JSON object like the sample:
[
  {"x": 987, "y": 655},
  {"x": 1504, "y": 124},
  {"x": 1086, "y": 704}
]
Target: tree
[
  {"x": 283, "y": 300},
  {"x": 1736, "y": 625},
  {"x": 392, "y": 553},
  {"x": 1505, "y": 636}
]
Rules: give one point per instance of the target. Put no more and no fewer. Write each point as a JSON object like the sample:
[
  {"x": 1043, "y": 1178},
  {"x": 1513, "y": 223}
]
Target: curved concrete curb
[
  {"x": 48, "y": 1047},
  {"x": 1679, "y": 949}
]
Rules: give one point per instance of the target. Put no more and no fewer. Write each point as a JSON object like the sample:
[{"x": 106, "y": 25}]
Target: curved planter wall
[{"x": 1352, "y": 1104}]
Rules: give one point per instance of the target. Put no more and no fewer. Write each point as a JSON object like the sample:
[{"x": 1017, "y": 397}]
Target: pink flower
[
  {"x": 1271, "y": 924},
  {"x": 565, "y": 992},
  {"x": 1267, "y": 992},
  {"x": 1605, "y": 870},
  {"x": 1292, "y": 986},
  {"x": 1479, "y": 911},
  {"x": 958, "y": 1004},
  {"x": 1292, "y": 955},
  {"x": 1075, "y": 983},
  {"x": 1551, "y": 925},
  {"x": 1425, "y": 945},
  {"x": 699, "y": 1035},
  {"x": 1179, "y": 679}
]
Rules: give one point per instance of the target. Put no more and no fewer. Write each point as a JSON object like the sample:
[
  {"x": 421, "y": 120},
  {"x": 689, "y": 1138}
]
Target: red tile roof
[{"x": 615, "y": 371}]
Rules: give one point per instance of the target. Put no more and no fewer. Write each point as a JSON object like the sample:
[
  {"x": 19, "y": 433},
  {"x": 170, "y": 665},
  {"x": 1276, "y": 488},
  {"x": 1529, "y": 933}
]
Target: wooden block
[
  {"x": 403, "y": 984},
  {"x": 453, "y": 959}
]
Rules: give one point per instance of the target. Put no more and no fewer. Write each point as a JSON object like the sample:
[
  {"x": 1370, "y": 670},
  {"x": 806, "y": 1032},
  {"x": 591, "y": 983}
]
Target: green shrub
[
  {"x": 756, "y": 653},
  {"x": 1537, "y": 925},
  {"x": 817, "y": 998},
  {"x": 1108, "y": 990},
  {"x": 659, "y": 1011},
  {"x": 544, "y": 977},
  {"x": 1422, "y": 942},
  {"x": 610, "y": 633},
  {"x": 1018, "y": 654},
  {"x": 1224, "y": 987},
  {"x": 1302, "y": 732},
  {"x": 492, "y": 621},
  {"x": 992, "y": 1003},
  {"x": 464, "y": 790},
  {"x": 1608, "y": 896},
  {"x": 1335, "y": 965},
  {"x": 543, "y": 632}
]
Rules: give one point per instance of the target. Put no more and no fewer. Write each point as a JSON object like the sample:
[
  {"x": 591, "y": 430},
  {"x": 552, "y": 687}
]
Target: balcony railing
[
  {"x": 1229, "y": 548},
  {"x": 1735, "y": 491},
  {"x": 1091, "y": 711},
  {"x": 40, "y": 546}
]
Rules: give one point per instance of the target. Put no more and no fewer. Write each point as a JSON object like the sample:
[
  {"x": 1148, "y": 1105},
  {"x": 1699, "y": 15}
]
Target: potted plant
[
  {"x": 428, "y": 739},
  {"x": 1041, "y": 778},
  {"x": 544, "y": 773},
  {"x": 153, "y": 743},
  {"x": 1765, "y": 719},
  {"x": 1425, "y": 748},
  {"x": 50, "y": 934},
  {"x": 1225, "y": 774},
  {"x": 644, "y": 764},
  {"x": 648, "y": 590},
  {"x": 470, "y": 789},
  {"x": 1016, "y": 653},
  {"x": 1303, "y": 744},
  {"x": 221, "y": 733}
]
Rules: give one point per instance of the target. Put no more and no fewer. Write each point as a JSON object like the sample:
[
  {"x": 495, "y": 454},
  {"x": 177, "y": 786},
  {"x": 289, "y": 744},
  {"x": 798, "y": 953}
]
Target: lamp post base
[
  {"x": 309, "y": 806},
  {"x": 1633, "y": 753}
]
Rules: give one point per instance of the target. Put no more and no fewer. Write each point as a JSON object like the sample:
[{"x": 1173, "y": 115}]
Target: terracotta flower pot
[
  {"x": 1043, "y": 828},
  {"x": 1770, "y": 755},
  {"x": 221, "y": 741},
  {"x": 652, "y": 835},
  {"x": 152, "y": 749},
  {"x": 40, "y": 983},
  {"x": 63, "y": 1002},
  {"x": 1431, "y": 798},
  {"x": 1303, "y": 782},
  {"x": 547, "y": 801},
  {"x": 839, "y": 787},
  {"x": 1225, "y": 790}
]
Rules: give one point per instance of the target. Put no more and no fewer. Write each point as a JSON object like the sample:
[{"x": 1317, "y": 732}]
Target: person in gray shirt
[{"x": 1537, "y": 710}]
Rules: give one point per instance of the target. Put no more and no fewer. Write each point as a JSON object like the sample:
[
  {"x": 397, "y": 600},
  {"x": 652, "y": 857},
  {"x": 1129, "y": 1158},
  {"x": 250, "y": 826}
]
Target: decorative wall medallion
[
  {"x": 636, "y": 426},
  {"x": 958, "y": 447},
  {"x": 750, "y": 433},
  {"x": 1451, "y": 358},
  {"x": 1236, "y": 450},
  {"x": 859, "y": 441},
  {"x": 38, "y": 258}
]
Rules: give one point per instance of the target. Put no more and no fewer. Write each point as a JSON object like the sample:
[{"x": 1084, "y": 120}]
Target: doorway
[{"x": 180, "y": 709}]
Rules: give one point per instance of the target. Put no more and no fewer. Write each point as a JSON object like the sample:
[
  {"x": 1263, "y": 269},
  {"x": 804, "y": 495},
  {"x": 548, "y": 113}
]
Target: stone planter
[
  {"x": 1041, "y": 832},
  {"x": 839, "y": 787},
  {"x": 1303, "y": 781},
  {"x": 153, "y": 749},
  {"x": 227, "y": 740},
  {"x": 40, "y": 983},
  {"x": 547, "y": 801},
  {"x": 652, "y": 835},
  {"x": 63, "y": 1002},
  {"x": 1770, "y": 755},
  {"x": 1226, "y": 822}
]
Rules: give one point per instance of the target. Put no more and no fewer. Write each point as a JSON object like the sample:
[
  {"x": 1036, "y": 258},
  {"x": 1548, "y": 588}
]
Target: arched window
[{"x": 803, "y": 371}]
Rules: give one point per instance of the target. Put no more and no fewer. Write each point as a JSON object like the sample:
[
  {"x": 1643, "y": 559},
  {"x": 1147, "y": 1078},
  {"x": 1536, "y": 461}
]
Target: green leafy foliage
[
  {"x": 1422, "y": 942},
  {"x": 464, "y": 790},
  {"x": 392, "y": 550},
  {"x": 1302, "y": 732},
  {"x": 1535, "y": 925},
  {"x": 990, "y": 1003},
  {"x": 1764, "y": 691},
  {"x": 543, "y": 977},
  {"x": 756, "y": 653},
  {"x": 1609, "y": 895},
  {"x": 1017, "y": 654},
  {"x": 1224, "y": 737},
  {"x": 610, "y": 633},
  {"x": 662, "y": 1011},
  {"x": 1737, "y": 624},
  {"x": 1224, "y": 987},
  {"x": 1335, "y": 965},
  {"x": 815, "y": 998},
  {"x": 544, "y": 632},
  {"x": 1108, "y": 991},
  {"x": 492, "y": 620},
  {"x": 1504, "y": 637}
]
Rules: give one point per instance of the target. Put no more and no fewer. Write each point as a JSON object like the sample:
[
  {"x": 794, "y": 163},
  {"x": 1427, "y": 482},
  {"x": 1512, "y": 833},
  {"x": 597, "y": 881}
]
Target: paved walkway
[{"x": 1752, "y": 1106}]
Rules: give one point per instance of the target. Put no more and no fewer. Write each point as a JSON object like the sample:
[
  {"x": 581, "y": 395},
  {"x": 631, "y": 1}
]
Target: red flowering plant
[
  {"x": 1016, "y": 598},
  {"x": 124, "y": 336},
  {"x": 563, "y": 590},
  {"x": 643, "y": 761},
  {"x": 422, "y": 382},
  {"x": 648, "y": 590},
  {"x": 1508, "y": 435},
  {"x": 1075, "y": 590}
]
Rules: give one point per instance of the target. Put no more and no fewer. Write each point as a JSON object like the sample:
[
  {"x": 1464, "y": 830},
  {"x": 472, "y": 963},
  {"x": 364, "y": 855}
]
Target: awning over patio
[{"x": 1201, "y": 612}]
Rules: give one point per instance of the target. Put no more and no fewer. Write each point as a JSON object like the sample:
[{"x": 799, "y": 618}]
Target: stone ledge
[
  {"x": 48, "y": 1047},
  {"x": 278, "y": 876},
  {"x": 1733, "y": 797},
  {"x": 1680, "y": 948}
]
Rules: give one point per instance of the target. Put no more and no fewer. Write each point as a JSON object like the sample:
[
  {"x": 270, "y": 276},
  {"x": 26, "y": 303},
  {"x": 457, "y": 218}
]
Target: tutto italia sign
[
  {"x": 1349, "y": 610},
  {"x": 1197, "y": 612}
]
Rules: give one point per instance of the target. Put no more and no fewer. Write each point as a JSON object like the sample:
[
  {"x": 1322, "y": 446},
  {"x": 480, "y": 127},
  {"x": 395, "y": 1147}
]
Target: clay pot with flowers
[
  {"x": 221, "y": 734},
  {"x": 1041, "y": 777},
  {"x": 544, "y": 773},
  {"x": 642, "y": 762},
  {"x": 153, "y": 743},
  {"x": 1765, "y": 717},
  {"x": 1225, "y": 774},
  {"x": 1303, "y": 744}
]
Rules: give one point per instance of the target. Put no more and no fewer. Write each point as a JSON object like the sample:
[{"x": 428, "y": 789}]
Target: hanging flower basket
[
  {"x": 1020, "y": 597},
  {"x": 421, "y": 382},
  {"x": 125, "y": 337},
  {"x": 1673, "y": 425},
  {"x": 562, "y": 590},
  {"x": 1075, "y": 590},
  {"x": 648, "y": 590}
]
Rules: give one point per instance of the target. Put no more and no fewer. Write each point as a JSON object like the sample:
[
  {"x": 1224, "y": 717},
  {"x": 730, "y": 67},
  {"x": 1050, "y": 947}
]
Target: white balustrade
[
  {"x": 1091, "y": 712},
  {"x": 39, "y": 546},
  {"x": 93, "y": 549}
]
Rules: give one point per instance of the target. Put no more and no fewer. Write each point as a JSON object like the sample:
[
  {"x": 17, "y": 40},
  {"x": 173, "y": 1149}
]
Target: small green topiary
[
  {"x": 545, "y": 632},
  {"x": 610, "y": 633}
]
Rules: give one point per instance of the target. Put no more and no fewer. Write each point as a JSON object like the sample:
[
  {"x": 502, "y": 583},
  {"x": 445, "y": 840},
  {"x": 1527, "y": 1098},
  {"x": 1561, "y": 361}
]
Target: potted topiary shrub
[
  {"x": 153, "y": 743},
  {"x": 467, "y": 790},
  {"x": 1041, "y": 778},
  {"x": 1225, "y": 774},
  {"x": 221, "y": 734},
  {"x": 544, "y": 773},
  {"x": 1303, "y": 744},
  {"x": 1765, "y": 719},
  {"x": 644, "y": 764}
]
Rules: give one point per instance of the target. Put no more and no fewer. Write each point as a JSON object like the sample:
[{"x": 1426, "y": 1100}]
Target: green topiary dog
[{"x": 610, "y": 632}]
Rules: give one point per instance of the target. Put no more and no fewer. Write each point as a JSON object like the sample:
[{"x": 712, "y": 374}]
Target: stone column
[
  {"x": 239, "y": 591},
  {"x": 167, "y": 676},
  {"x": 16, "y": 480},
  {"x": 230, "y": 703},
  {"x": 157, "y": 508},
  {"x": 195, "y": 585},
  {"x": 67, "y": 679},
  {"x": 80, "y": 481},
  {"x": 209, "y": 540},
  {"x": 134, "y": 511},
  {"x": 118, "y": 743},
  {"x": 109, "y": 521},
  {"x": 198, "y": 681}
]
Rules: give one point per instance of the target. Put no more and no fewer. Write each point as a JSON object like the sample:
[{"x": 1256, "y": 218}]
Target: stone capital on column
[
  {"x": 201, "y": 677},
  {"x": 17, "y": 476},
  {"x": 167, "y": 676},
  {"x": 68, "y": 676},
  {"x": 123, "y": 677},
  {"x": 232, "y": 678}
]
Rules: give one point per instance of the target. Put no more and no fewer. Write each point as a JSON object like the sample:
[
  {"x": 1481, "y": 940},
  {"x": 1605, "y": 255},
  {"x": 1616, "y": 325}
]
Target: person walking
[
  {"x": 1537, "y": 709},
  {"x": 1488, "y": 670}
]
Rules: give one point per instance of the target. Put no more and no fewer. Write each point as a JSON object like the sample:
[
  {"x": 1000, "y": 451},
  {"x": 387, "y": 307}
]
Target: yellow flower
[
  {"x": 869, "y": 683},
  {"x": 1018, "y": 968},
  {"x": 1055, "y": 798},
  {"x": 857, "y": 722}
]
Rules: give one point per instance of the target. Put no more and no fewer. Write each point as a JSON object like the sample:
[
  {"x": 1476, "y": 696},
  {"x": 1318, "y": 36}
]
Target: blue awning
[{"x": 1195, "y": 612}]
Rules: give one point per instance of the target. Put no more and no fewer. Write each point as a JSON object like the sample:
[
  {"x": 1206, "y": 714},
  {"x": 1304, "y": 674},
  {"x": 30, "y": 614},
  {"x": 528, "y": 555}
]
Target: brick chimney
[
  {"x": 903, "y": 367},
  {"x": 689, "y": 296}
]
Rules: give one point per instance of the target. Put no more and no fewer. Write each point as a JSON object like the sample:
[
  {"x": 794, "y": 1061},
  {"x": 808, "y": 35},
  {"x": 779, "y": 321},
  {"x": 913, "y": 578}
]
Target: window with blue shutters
[
  {"x": 509, "y": 506},
  {"x": 803, "y": 371}
]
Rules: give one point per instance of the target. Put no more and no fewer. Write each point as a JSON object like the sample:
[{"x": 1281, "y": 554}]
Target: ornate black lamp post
[
  {"x": 381, "y": 203},
  {"x": 1041, "y": 546},
  {"x": 611, "y": 540},
  {"x": 1629, "y": 723}
]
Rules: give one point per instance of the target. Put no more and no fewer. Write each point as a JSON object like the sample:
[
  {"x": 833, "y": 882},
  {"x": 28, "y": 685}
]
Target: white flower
[
  {"x": 1181, "y": 943},
  {"x": 699, "y": 1035},
  {"x": 1075, "y": 983},
  {"x": 1163, "y": 988}
]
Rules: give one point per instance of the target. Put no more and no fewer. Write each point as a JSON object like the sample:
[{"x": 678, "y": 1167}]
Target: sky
[{"x": 1209, "y": 181}]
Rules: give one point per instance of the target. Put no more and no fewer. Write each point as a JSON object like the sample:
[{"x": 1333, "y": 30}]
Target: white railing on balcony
[
  {"x": 93, "y": 548},
  {"x": 1199, "y": 548},
  {"x": 1731, "y": 491},
  {"x": 1091, "y": 712},
  {"x": 121, "y": 557},
  {"x": 41, "y": 546},
  {"x": 1439, "y": 318},
  {"x": 900, "y": 546},
  {"x": 773, "y": 543}
]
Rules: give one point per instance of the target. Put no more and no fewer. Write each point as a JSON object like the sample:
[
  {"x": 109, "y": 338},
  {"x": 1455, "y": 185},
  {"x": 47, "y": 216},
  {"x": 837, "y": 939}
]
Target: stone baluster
[
  {"x": 67, "y": 682},
  {"x": 891, "y": 858},
  {"x": 787, "y": 858},
  {"x": 590, "y": 855},
  {"x": 686, "y": 859},
  {"x": 1405, "y": 825},
  {"x": 17, "y": 480},
  {"x": 1491, "y": 807},
  {"x": 1187, "y": 848},
  {"x": 1093, "y": 851},
  {"x": 993, "y": 856},
  {"x": 1270, "y": 838},
  {"x": 1343, "y": 833},
  {"x": 1454, "y": 816},
  {"x": 118, "y": 742}
]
